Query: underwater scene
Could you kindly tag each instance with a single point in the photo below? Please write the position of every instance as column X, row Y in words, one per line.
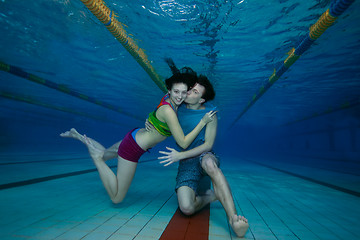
column 279, row 159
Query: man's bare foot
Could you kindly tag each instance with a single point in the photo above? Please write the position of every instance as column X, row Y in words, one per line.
column 209, row 196
column 95, row 153
column 73, row 134
column 239, row 224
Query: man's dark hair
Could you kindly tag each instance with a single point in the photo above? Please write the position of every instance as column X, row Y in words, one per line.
column 209, row 93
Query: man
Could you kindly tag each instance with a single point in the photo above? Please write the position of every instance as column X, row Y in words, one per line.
column 198, row 161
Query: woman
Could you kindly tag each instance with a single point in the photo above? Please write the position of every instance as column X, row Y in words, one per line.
column 138, row 141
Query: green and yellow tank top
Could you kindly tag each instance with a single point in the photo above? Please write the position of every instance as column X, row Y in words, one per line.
column 161, row 127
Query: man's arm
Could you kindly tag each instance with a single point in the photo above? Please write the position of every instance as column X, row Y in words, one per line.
column 174, row 156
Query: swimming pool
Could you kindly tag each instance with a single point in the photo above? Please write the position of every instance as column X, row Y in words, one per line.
column 62, row 68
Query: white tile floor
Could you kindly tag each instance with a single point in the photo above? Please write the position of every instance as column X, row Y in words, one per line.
column 278, row 205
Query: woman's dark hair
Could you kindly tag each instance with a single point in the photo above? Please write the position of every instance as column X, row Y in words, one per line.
column 172, row 65
column 189, row 77
column 209, row 93
column 185, row 75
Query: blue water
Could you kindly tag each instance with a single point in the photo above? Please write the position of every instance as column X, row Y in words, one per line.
column 237, row 44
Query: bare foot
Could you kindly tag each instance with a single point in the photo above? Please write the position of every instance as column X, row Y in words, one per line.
column 209, row 196
column 239, row 224
column 73, row 134
column 95, row 153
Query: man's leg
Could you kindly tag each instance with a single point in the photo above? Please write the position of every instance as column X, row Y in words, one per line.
column 189, row 203
column 223, row 193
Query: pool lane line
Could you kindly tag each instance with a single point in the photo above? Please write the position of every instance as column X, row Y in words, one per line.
column 57, row 160
column 58, row 87
column 343, row 106
column 42, row 161
column 188, row 227
column 44, row 179
column 327, row 19
column 31, row 100
column 109, row 18
column 54, row 177
column 329, row 185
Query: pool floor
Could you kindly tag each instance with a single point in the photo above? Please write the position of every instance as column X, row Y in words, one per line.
column 58, row 196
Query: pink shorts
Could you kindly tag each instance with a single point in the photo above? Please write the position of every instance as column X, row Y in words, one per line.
column 129, row 149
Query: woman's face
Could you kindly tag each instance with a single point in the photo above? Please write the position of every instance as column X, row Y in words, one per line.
column 178, row 93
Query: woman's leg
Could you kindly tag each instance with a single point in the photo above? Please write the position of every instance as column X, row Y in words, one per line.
column 116, row 185
column 109, row 153
column 72, row 133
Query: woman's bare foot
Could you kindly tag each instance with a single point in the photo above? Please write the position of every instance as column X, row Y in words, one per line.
column 73, row 134
column 239, row 224
column 95, row 153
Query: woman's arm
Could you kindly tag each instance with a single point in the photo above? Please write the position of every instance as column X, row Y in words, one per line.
column 174, row 156
column 168, row 114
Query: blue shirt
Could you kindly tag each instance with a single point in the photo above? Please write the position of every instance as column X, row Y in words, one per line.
column 189, row 118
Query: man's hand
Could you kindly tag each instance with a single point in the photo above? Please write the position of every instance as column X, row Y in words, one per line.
column 170, row 157
column 209, row 116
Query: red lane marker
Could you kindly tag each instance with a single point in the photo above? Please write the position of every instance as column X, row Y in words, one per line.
column 182, row 227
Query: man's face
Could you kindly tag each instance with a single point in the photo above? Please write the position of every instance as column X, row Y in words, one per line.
column 195, row 94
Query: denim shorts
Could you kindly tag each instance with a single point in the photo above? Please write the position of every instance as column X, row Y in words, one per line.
column 190, row 172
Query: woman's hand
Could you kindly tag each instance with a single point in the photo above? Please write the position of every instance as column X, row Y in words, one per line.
column 170, row 157
column 149, row 127
column 209, row 116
